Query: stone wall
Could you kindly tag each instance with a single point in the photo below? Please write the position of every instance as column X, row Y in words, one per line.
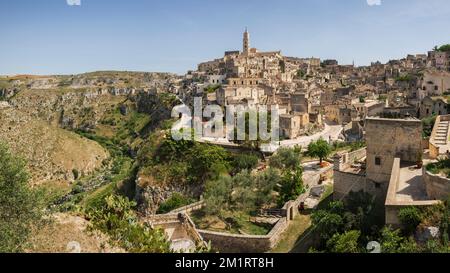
column 234, row 243
column 189, row 208
column 391, row 207
column 437, row 186
column 344, row 161
column 177, row 226
column 434, row 150
column 344, row 183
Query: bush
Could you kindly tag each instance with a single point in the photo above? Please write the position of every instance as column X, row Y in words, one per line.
column 410, row 218
column 120, row 222
column 345, row 243
column 76, row 174
column 176, row 201
column 286, row 158
column 392, row 242
column 291, row 186
column 244, row 162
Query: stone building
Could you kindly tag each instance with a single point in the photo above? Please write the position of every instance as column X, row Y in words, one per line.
column 439, row 60
column 369, row 108
column 341, row 114
column 430, row 106
column 434, row 83
column 239, row 89
column 292, row 126
column 300, row 102
column 386, row 140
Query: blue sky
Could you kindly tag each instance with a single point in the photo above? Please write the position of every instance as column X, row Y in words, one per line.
column 51, row 37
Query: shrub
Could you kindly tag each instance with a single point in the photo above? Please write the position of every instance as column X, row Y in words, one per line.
column 176, row 201
column 76, row 174
column 286, row 158
column 345, row 243
column 120, row 222
column 410, row 218
column 392, row 242
column 291, row 186
column 244, row 162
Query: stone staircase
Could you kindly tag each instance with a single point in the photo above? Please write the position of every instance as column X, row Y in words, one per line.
column 441, row 136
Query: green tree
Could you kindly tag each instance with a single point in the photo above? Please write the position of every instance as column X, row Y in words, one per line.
column 363, row 213
column 392, row 242
column 291, row 185
column 21, row 208
column 345, row 243
column 244, row 192
column 202, row 158
column 286, row 158
column 319, row 149
column 217, row 194
column 444, row 48
column 329, row 222
column 410, row 218
column 266, row 182
column 244, row 161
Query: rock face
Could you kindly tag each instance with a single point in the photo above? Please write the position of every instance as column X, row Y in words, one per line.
column 150, row 195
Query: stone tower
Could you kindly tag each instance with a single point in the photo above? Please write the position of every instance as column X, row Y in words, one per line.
column 246, row 46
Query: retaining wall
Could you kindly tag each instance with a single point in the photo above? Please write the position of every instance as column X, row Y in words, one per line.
column 437, row 186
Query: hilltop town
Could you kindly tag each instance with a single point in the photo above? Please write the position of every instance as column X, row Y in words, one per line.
column 363, row 157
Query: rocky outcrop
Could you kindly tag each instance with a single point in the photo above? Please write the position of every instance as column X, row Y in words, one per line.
column 7, row 93
column 150, row 195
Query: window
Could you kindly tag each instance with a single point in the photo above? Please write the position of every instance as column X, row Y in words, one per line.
column 436, row 87
column 378, row 161
column 377, row 186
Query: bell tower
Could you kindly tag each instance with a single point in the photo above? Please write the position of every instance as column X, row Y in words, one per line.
column 246, row 44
